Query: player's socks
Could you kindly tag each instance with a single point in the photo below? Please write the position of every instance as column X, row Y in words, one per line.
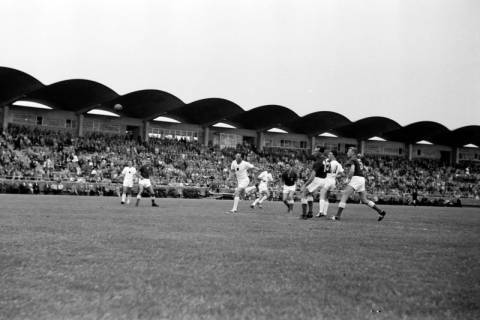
column 128, row 200
column 341, row 206
column 310, row 206
column 136, row 203
column 372, row 205
column 321, row 206
column 325, row 208
column 153, row 203
column 123, row 197
column 236, row 200
column 304, row 208
column 286, row 203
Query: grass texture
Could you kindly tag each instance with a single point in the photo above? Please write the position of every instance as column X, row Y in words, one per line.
column 67, row 257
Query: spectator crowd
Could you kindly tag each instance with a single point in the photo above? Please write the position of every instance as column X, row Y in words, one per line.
column 42, row 155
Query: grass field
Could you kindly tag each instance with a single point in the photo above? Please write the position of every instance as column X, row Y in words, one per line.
column 67, row 257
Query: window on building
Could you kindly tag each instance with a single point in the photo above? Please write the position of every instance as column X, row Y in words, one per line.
column 68, row 123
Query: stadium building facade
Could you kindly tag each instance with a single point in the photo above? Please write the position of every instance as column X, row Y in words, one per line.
column 84, row 106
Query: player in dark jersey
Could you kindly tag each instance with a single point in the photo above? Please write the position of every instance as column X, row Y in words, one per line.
column 289, row 179
column 316, row 181
column 356, row 184
column 146, row 171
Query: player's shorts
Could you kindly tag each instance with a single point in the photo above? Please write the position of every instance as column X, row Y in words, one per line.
column 128, row 184
column 242, row 184
column 316, row 184
column 263, row 188
column 144, row 183
column 357, row 183
column 250, row 189
column 330, row 184
column 288, row 189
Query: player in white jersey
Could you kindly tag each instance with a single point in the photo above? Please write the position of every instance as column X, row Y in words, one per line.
column 265, row 178
column 334, row 169
column 240, row 168
column 128, row 174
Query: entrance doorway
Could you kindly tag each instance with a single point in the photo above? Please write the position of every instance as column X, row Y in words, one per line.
column 132, row 132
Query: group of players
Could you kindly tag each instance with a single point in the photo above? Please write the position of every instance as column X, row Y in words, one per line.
column 323, row 178
column 130, row 174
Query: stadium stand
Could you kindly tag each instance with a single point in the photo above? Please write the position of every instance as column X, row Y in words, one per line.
column 69, row 146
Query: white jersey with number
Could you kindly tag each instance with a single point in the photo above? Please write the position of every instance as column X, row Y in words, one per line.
column 128, row 173
column 241, row 170
column 265, row 178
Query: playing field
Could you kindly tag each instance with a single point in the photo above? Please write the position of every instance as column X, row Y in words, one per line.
column 67, row 257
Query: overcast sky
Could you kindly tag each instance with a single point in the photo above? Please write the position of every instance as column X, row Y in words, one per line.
column 410, row 60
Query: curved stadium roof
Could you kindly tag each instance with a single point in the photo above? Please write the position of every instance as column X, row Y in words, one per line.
column 207, row 111
column 72, row 95
column 14, row 84
column 144, row 104
column 466, row 135
column 368, row 127
column 424, row 130
column 266, row 117
column 319, row 122
column 80, row 95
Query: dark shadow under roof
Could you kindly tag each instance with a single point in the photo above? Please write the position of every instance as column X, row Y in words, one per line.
column 319, row 122
column 14, row 84
column 144, row 104
column 368, row 127
column 423, row 130
column 266, row 117
column 207, row 111
column 72, row 95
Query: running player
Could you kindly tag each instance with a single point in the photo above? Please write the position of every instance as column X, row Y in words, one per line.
column 128, row 174
column 316, row 181
column 265, row 178
column 356, row 184
column 289, row 178
column 144, row 182
column 334, row 168
column 239, row 168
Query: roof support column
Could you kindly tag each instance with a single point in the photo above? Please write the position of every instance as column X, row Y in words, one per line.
column 361, row 144
column 206, row 135
column 456, row 155
column 146, row 131
column 410, row 152
column 312, row 143
column 5, row 118
column 80, row 118
column 260, row 140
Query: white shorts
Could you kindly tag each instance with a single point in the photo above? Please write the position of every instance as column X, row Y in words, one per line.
column 357, row 183
column 330, row 184
column 288, row 189
column 144, row 183
column 263, row 187
column 315, row 184
column 263, row 190
column 242, row 184
column 128, row 184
